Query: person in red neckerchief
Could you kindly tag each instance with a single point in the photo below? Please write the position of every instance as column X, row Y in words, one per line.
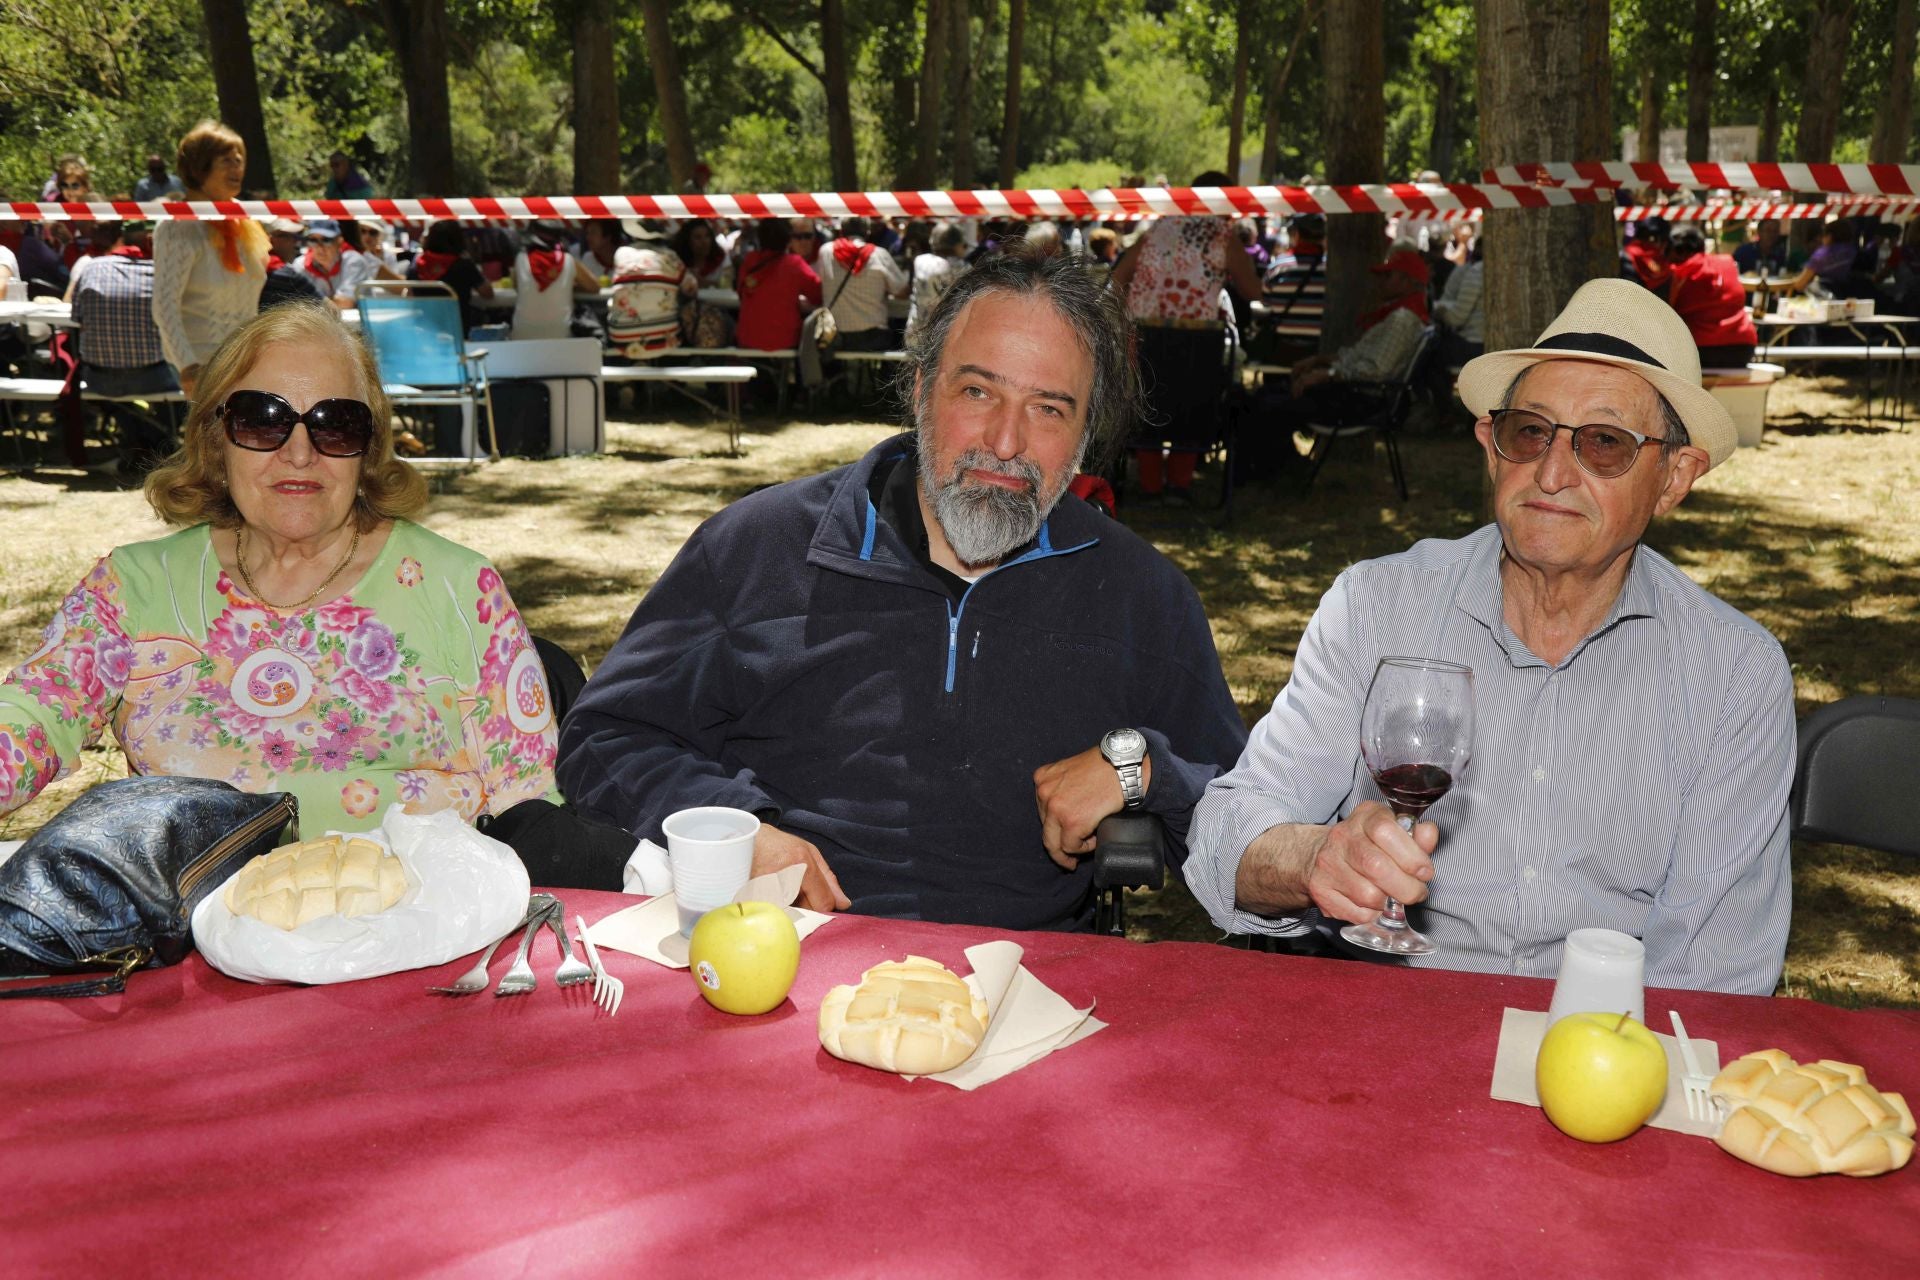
column 1645, row 256
column 323, row 262
column 443, row 257
column 1405, row 274
column 545, row 277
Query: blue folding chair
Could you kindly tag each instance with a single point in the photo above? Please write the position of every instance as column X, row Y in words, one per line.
column 414, row 330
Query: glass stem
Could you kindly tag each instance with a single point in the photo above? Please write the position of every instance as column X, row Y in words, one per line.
column 1394, row 916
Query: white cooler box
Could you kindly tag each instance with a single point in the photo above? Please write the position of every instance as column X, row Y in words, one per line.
column 1744, row 393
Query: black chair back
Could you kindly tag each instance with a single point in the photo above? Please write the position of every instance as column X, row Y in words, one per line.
column 1857, row 774
column 565, row 676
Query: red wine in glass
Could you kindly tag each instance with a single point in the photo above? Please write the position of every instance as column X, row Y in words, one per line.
column 1416, row 734
column 1411, row 789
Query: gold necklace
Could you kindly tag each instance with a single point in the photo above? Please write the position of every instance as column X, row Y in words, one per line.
column 240, row 556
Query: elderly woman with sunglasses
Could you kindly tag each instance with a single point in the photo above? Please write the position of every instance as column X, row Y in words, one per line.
column 299, row 633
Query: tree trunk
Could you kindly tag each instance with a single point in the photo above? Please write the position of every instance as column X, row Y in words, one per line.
column 1533, row 52
column 230, row 49
column 933, row 85
column 1276, row 92
column 596, row 101
column 833, row 58
column 1237, row 116
column 1769, row 145
column 1440, row 141
column 1820, row 91
column 1010, row 124
column 1647, row 150
column 1893, row 123
column 669, row 93
column 1354, row 125
column 960, row 90
column 1823, row 84
column 1700, row 72
column 418, row 32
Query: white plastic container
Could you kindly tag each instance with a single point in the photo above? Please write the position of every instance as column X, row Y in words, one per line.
column 1745, row 397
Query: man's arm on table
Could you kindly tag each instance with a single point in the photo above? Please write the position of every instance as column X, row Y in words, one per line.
column 1193, row 730
column 1265, row 846
column 1720, row 921
column 646, row 736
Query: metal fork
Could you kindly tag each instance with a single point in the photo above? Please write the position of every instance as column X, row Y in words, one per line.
column 520, row 979
column 474, row 980
column 1702, row 1106
column 608, row 991
column 571, row 972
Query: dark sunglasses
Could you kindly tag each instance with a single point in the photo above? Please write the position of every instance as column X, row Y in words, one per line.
column 1601, row 450
column 263, row 421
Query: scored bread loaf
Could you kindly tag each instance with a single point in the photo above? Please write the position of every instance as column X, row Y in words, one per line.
column 331, row 876
column 914, row 1016
column 1800, row 1119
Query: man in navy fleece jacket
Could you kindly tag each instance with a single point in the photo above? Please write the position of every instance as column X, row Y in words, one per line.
column 907, row 666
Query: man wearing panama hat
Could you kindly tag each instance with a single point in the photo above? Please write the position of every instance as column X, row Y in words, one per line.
column 1634, row 736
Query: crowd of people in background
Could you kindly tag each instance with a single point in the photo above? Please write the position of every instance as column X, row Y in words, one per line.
column 162, row 297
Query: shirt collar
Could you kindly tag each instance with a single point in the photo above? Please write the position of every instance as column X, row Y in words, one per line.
column 1479, row 597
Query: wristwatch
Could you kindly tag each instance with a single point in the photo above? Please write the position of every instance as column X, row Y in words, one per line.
column 1124, row 750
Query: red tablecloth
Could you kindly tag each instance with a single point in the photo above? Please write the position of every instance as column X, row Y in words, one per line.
column 1244, row 1113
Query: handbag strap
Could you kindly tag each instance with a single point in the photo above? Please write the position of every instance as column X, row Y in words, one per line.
column 125, row 960
column 841, row 288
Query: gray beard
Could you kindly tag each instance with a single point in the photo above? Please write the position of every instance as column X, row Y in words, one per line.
column 983, row 522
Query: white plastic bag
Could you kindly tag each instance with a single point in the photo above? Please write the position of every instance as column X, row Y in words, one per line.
column 463, row 891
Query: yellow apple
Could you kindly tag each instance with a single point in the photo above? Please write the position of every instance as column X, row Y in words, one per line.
column 1600, row 1075
column 744, row 956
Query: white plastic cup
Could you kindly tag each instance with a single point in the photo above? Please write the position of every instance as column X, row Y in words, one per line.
column 16, row 290
column 710, row 850
column 1601, row 971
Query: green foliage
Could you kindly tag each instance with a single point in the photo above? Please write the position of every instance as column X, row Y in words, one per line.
column 1110, row 88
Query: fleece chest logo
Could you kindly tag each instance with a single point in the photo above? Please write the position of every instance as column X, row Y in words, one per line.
column 1088, row 645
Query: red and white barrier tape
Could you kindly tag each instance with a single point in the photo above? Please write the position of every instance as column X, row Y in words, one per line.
column 1833, row 179
column 1720, row 212
column 1398, row 197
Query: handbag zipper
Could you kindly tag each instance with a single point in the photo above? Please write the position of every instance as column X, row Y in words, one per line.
column 284, row 809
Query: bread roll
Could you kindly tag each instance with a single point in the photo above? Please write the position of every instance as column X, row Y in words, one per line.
column 1821, row 1117
column 331, row 876
column 913, row 1016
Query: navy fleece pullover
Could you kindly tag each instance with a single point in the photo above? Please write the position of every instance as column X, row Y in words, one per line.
column 797, row 659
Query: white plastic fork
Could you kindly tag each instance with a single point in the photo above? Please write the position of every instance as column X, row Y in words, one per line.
column 608, row 990
column 1702, row 1106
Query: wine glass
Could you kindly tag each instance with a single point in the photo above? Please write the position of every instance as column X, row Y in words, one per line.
column 1416, row 735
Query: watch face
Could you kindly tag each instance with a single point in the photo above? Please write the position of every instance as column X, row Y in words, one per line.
column 1124, row 746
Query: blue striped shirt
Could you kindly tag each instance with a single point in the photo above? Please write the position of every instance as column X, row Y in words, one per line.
column 1640, row 785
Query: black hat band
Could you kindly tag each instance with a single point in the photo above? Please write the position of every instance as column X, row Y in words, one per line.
column 1599, row 344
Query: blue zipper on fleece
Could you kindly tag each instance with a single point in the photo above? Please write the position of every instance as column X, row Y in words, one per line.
column 954, row 611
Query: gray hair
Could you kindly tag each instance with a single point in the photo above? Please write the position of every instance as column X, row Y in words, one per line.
column 948, row 239
column 1092, row 311
column 1673, row 432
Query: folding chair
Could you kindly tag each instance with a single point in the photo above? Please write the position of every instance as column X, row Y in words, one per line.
column 1384, row 417
column 1858, row 766
column 414, row 330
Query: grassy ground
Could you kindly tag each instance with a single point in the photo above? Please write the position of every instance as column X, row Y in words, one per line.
column 1815, row 534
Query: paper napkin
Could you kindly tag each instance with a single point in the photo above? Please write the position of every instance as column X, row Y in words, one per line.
column 1026, row 1019
column 651, row 930
column 1521, row 1031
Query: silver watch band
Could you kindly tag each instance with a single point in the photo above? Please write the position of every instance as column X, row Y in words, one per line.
column 1130, row 788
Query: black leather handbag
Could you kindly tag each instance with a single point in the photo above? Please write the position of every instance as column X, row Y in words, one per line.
column 113, row 880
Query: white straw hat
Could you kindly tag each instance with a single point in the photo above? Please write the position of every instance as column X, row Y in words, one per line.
column 1620, row 323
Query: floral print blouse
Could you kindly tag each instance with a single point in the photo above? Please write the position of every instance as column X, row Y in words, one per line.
column 1182, row 268
column 420, row 685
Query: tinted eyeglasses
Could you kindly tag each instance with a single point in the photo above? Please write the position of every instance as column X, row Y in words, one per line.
column 1601, row 449
column 263, row 422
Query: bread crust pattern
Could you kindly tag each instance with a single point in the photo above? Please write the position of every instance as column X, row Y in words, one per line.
column 1800, row 1119
column 331, row 876
column 916, row 1017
